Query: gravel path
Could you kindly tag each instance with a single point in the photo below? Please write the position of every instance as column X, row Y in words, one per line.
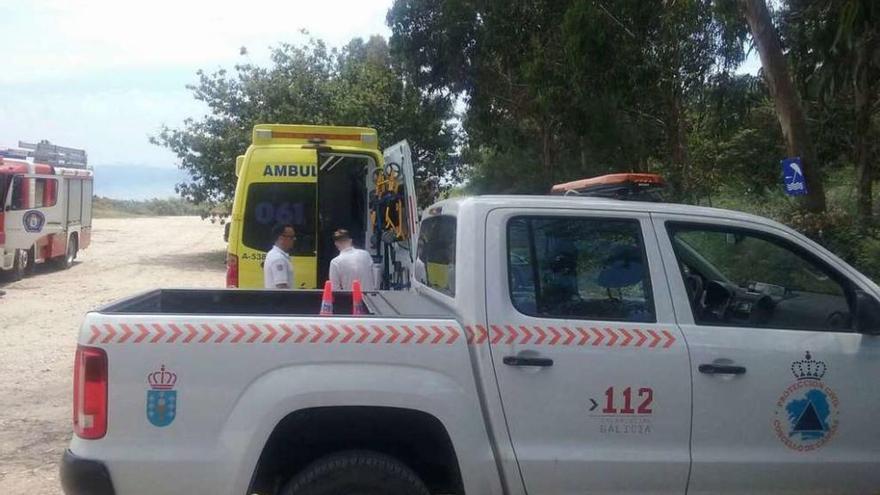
column 40, row 316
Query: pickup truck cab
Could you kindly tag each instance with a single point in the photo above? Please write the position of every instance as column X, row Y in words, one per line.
column 550, row 345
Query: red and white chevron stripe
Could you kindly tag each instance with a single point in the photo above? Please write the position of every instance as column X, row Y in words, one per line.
column 564, row 336
column 266, row 333
column 341, row 333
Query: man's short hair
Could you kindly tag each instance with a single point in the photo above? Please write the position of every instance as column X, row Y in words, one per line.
column 341, row 235
column 279, row 229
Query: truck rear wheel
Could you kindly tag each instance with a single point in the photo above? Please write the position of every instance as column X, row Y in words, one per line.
column 356, row 472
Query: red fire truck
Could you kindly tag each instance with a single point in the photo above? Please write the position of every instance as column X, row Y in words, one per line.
column 45, row 206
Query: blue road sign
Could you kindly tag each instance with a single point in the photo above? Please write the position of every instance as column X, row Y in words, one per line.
column 793, row 177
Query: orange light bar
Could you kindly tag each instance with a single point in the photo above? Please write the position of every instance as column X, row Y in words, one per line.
column 610, row 179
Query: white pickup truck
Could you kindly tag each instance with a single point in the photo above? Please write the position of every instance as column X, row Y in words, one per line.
column 550, row 346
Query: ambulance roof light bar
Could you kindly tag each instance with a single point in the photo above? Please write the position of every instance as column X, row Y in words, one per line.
column 315, row 135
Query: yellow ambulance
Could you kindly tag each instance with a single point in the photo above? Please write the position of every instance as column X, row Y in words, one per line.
column 319, row 179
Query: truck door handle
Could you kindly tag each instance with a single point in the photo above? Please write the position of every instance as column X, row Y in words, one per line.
column 721, row 369
column 527, row 361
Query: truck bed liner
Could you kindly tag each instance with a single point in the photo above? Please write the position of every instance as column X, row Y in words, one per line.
column 404, row 303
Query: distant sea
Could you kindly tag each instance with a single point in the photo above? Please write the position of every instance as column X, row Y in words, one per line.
column 119, row 181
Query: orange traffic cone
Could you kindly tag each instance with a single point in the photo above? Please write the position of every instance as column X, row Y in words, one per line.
column 357, row 299
column 327, row 299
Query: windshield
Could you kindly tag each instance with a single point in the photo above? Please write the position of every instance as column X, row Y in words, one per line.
column 274, row 203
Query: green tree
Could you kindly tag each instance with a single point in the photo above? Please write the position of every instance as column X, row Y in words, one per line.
column 311, row 84
column 735, row 140
column 562, row 89
column 789, row 109
column 835, row 47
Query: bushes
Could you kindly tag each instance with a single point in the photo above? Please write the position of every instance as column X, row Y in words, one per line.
column 106, row 207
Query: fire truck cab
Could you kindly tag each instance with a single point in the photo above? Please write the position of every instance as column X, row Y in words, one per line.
column 45, row 207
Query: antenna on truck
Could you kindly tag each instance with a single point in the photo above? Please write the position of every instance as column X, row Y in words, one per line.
column 57, row 156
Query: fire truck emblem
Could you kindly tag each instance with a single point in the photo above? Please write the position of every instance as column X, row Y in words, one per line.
column 162, row 398
column 806, row 415
column 33, row 221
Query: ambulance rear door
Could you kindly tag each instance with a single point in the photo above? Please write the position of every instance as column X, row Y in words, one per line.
column 400, row 154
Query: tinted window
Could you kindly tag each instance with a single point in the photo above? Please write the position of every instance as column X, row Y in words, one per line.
column 740, row 277
column 435, row 264
column 269, row 204
column 579, row 268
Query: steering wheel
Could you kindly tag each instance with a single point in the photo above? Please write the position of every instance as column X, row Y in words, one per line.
column 716, row 301
column 762, row 310
column 837, row 320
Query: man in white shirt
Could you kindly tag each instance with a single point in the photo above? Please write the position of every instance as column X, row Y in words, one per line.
column 277, row 271
column 351, row 264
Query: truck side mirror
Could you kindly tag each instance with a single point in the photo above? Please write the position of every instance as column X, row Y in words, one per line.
column 867, row 313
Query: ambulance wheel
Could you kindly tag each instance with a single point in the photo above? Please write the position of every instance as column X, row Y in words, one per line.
column 66, row 261
column 361, row 472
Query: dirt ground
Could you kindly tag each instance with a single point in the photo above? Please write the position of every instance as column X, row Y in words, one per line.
column 40, row 318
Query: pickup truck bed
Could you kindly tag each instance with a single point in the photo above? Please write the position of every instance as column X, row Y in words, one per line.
column 269, row 302
column 244, row 367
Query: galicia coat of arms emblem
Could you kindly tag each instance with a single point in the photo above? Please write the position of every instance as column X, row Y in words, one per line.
column 806, row 416
column 161, row 398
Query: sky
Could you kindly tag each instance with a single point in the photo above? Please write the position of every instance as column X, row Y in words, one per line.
column 104, row 75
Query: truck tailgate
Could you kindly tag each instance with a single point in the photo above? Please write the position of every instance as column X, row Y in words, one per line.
column 226, row 381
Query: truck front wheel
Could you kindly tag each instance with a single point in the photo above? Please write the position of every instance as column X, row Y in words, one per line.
column 361, row 472
column 19, row 265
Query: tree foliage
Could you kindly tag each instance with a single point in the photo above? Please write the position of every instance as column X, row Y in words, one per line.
column 556, row 90
column 562, row 89
column 310, row 84
column 565, row 89
column 834, row 47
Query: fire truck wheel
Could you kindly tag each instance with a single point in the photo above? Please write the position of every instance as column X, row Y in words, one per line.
column 19, row 261
column 66, row 261
column 31, row 261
